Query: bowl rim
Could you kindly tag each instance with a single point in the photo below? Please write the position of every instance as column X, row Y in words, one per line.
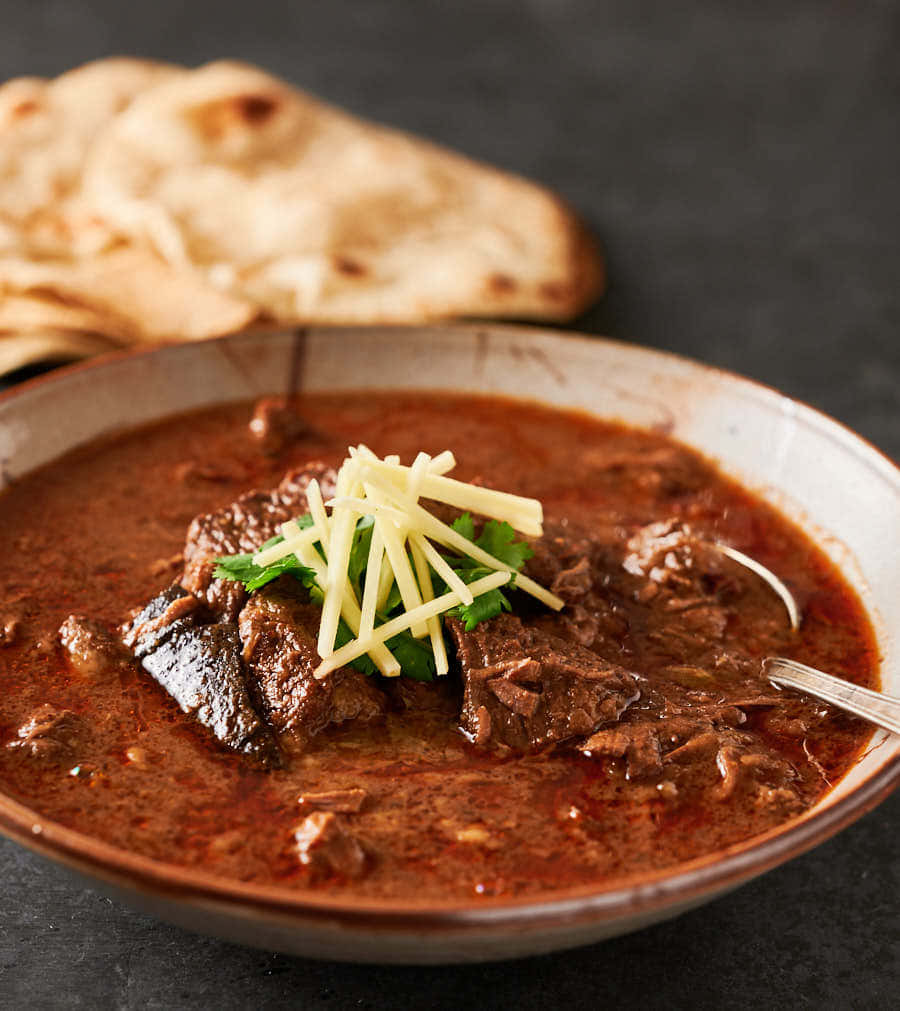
column 634, row 895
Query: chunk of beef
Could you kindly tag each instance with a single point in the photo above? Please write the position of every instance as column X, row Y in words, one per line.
column 10, row 628
column 636, row 742
column 699, row 751
column 701, row 746
column 572, row 565
column 661, row 552
column 326, row 846
column 91, row 649
column 764, row 777
column 560, row 549
column 683, row 583
column 573, row 582
column 201, row 667
column 676, row 568
column 241, row 527
column 278, row 631
column 50, row 734
column 276, row 423
column 526, row 689
column 598, row 623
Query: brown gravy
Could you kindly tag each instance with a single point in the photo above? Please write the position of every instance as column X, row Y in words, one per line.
column 97, row 533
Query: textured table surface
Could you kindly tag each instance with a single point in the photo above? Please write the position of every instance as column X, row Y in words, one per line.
column 741, row 163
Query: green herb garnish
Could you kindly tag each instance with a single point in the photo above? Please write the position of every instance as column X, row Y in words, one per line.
column 415, row 656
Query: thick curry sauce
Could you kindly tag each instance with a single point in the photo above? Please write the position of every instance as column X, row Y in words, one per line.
column 100, row 531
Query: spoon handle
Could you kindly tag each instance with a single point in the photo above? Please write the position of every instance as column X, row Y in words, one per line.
column 884, row 710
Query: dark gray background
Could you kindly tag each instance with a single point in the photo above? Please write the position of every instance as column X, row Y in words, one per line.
column 741, row 163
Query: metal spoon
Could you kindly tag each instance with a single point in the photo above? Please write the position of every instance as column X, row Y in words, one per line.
column 883, row 710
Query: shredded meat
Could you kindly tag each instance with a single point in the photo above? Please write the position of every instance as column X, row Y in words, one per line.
column 340, row 801
column 525, row 689
column 50, row 734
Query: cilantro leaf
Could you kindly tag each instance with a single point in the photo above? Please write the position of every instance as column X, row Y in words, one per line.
column 237, row 567
column 394, row 600
column 499, row 540
column 487, row 605
column 464, row 525
column 243, row 569
column 496, row 538
column 415, row 656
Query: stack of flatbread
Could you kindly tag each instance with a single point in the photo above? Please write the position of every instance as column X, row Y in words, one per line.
column 143, row 202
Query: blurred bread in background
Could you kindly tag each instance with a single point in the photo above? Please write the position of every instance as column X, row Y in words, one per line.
column 142, row 202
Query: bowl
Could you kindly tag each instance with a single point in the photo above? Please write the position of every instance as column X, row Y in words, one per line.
column 828, row 480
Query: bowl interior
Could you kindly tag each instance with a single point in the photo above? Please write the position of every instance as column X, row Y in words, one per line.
column 826, row 479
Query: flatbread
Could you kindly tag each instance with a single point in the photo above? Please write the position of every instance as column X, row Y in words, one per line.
column 32, row 312
column 129, row 293
column 142, row 201
column 49, row 346
column 46, row 130
column 319, row 216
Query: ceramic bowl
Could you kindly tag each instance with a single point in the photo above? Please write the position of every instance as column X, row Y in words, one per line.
column 831, row 482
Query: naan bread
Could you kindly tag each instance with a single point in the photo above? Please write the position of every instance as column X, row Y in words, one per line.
column 128, row 293
column 46, row 129
column 144, row 202
column 318, row 216
column 49, row 346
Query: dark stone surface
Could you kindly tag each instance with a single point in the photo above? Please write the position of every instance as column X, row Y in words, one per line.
column 742, row 164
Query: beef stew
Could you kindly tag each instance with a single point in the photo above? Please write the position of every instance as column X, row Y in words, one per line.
column 630, row 731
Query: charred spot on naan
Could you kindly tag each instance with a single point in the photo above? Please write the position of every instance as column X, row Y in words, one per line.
column 214, row 120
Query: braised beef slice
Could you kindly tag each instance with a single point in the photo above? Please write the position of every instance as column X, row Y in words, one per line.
column 278, row 631
column 560, row 550
column 241, row 527
column 687, row 589
column 526, row 689
column 574, row 582
column 150, row 625
column 675, row 568
column 201, row 667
